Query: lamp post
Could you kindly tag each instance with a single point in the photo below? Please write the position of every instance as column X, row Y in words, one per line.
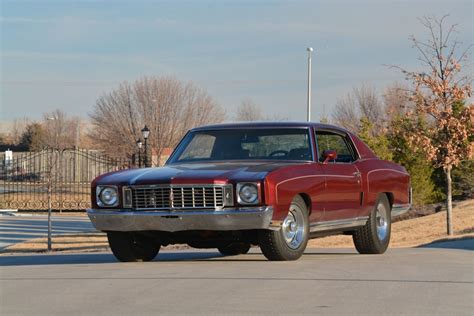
column 310, row 50
column 54, row 119
column 145, row 134
column 139, row 145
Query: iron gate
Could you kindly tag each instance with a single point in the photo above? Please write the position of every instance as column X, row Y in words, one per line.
column 26, row 178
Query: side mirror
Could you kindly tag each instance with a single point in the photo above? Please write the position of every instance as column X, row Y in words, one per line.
column 329, row 155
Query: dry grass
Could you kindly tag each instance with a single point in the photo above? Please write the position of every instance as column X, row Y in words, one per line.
column 417, row 231
column 408, row 233
column 88, row 242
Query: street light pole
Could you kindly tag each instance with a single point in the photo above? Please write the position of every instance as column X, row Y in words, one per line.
column 139, row 145
column 52, row 118
column 309, row 49
column 145, row 133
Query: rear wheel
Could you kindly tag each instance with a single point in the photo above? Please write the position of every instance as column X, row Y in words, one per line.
column 132, row 247
column 234, row 249
column 289, row 242
column 374, row 237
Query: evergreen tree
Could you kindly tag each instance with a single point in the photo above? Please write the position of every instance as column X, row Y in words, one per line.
column 379, row 142
column 34, row 137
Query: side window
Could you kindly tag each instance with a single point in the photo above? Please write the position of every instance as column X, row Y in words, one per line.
column 332, row 141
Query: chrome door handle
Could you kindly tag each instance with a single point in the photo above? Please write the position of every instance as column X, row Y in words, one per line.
column 356, row 174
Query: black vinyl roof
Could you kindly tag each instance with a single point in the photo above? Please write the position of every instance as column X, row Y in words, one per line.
column 268, row 124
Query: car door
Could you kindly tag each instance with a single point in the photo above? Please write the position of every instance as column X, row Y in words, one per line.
column 342, row 195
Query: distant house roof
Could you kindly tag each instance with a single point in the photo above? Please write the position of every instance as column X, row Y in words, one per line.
column 164, row 152
column 15, row 148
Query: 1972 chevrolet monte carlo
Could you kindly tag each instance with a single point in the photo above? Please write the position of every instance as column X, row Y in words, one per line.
column 274, row 185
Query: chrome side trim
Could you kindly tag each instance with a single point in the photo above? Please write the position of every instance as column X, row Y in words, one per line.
column 229, row 219
column 399, row 209
column 338, row 224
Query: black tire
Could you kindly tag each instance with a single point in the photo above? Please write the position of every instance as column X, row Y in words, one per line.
column 132, row 247
column 276, row 247
column 366, row 239
column 234, row 249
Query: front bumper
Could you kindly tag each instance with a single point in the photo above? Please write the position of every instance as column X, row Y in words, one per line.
column 173, row 221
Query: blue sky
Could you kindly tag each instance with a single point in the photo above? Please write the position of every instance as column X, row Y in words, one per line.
column 65, row 54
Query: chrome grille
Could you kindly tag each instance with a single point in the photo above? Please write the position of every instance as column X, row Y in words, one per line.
column 181, row 196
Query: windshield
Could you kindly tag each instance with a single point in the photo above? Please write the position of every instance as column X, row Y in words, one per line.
column 244, row 144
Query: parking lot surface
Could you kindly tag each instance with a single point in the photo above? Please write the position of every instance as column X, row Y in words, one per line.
column 419, row 281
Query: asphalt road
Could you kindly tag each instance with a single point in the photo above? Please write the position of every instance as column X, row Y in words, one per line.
column 422, row 281
column 15, row 229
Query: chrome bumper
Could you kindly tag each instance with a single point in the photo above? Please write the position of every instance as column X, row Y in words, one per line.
column 232, row 219
column 399, row 209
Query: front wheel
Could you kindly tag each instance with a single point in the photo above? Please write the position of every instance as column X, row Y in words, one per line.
column 374, row 237
column 289, row 242
column 132, row 247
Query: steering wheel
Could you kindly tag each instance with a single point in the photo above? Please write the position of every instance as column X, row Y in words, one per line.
column 282, row 153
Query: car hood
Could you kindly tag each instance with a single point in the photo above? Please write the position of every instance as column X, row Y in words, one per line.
column 194, row 173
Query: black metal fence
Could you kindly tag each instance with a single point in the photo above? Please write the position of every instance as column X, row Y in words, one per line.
column 26, row 178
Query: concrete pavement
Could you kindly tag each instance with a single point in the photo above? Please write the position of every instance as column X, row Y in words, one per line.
column 420, row 281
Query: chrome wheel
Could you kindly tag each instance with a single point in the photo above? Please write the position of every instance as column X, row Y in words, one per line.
column 374, row 237
column 289, row 242
column 381, row 222
column 293, row 227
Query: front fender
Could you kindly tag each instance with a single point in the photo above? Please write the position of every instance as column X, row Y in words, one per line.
column 282, row 185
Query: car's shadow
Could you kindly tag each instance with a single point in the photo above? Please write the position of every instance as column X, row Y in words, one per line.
column 95, row 258
column 464, row 243
column 166, row 256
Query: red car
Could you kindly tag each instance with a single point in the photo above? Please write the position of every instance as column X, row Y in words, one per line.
column 275, row 185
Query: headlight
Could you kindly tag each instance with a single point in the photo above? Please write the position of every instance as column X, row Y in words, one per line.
column 247, row 193
column 107, row 196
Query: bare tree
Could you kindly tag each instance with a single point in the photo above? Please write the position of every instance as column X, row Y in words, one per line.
column 441, row 125
column 396, row 98
column 346, row 113
column 167, row 106
column 361, row 103
column 324, row 117
column 248, row 111
column 60, row 130
column 86, row 140
column 52, row 173
column 60, row 135
column 18, row 129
